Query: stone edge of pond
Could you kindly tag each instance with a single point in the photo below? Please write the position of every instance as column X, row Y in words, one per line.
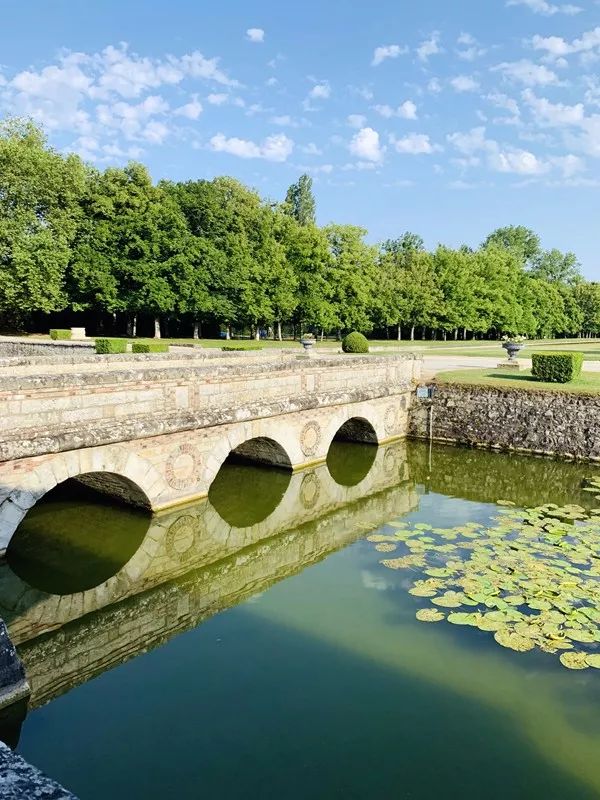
column 19, row 780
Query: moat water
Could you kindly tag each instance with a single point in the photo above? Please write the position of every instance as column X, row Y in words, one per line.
column 254, row 645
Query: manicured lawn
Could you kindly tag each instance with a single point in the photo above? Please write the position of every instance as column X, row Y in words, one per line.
column 588, row 382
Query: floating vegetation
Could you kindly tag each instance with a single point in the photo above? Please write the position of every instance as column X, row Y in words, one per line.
column 531, row 577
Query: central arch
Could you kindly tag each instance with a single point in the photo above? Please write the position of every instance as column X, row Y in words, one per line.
column 352, row 452
column 260, row 450
column 356, row 429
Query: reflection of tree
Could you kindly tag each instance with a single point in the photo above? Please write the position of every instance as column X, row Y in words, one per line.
column 486, row 476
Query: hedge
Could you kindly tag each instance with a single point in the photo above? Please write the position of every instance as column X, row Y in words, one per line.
column 150, row 347
column 355, row 342
column 60, row 333
column 107, row 346
column 556, row 367
column 231, row 348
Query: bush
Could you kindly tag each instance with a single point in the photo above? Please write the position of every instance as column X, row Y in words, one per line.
column 556, row 367
column 355, row 342
column 60, row 333
column 106, row 346
column 150, row 347
column 231, row 348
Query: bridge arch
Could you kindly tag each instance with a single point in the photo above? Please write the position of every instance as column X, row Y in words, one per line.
column 112, row 470
column 356, row 429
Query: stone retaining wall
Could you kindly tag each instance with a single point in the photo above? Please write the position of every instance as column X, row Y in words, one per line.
column 551, row 423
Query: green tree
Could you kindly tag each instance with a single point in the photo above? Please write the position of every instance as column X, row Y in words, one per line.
column 300, row 201
column 39, row 196
column 521, row 241
column 556, row 267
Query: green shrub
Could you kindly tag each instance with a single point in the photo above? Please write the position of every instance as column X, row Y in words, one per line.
column 150, row 347
column 556, row 367
column 60, row 333
column 106, row 346
column 355, row 342
column 231, row 348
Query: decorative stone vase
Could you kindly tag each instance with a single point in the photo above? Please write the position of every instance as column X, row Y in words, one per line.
column 512, row 348
column 308, row 345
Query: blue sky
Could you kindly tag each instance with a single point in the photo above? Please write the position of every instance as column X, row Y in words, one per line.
column 445, row 117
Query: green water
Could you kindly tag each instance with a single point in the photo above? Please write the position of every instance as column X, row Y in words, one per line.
column 278, row 658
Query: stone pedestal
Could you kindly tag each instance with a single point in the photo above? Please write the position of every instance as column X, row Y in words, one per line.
column 512, row 365
column 78, row 333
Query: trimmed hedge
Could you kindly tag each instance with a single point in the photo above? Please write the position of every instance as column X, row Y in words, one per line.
column 150, row 347
column 231, row 348
column 109, row 346
column 355, row 342
column 60, row 333
column 556, row 367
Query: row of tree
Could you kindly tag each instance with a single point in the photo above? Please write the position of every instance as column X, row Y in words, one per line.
column 76, row 239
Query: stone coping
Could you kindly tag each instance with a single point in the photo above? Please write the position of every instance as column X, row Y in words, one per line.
column 25, row 443
column 163, row 370
column 21, row 781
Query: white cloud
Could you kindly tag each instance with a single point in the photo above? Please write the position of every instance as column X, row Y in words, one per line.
column 365, row 145
column 191, row 110
column 407, row 110
column 311, row 149
column 553, row 114
column 464, row 83
column 528, row 73
column 256, row 35
column 569, row 165
column 434, row 86
column 519, row 162
column 155, row 132
column 472, row 141
column 557, row 48
column 544, row 7
column 356, row 120
column 429, row 47
column 274, row 148
column 217, row 99
column 504, row 101
column 320, row 91
column 387, row 51
column 470, row 48
column 414, row 144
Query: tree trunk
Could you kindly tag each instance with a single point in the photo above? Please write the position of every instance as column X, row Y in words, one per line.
column 157, row 327
column 465, row 334
column 339, row 335
column 423, row 332
column 321, row 334
column 399, row 332
column 412, row 333
column 227, row 331
column 445, row 334
column 134, row 326
column 279, row 336
column 257, row 332
column 455, row 334
column 196, row 334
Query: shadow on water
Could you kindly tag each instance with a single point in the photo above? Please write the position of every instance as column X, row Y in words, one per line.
column 350, row 462
column 246, row 494
column 74, row 539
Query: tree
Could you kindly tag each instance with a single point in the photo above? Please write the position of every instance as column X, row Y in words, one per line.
column 556, row 267
column 300, row 201
column 353, row 277
column 519, row 240
column 39, row 195
column 407, row 243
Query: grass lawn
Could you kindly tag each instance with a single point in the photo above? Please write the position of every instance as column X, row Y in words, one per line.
column 588, row 382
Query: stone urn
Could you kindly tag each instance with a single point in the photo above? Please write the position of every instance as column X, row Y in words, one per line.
column 512, row 348
column 308, row 343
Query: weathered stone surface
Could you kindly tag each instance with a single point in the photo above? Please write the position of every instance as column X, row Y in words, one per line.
column 542, row 422
column 13, row 683
column 20, row 781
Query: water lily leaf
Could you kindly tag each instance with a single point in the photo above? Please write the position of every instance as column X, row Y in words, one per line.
column 514, row 641
column 574, row 660
column 581, row 636
column 460, row 618
column 379, row 537
column 449, row 600
column 386, row 547
column 429, row 615
column 439, row 572
column 593, row 660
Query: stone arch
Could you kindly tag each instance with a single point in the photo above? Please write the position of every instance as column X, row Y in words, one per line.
column 114, row 468
column 356, row 429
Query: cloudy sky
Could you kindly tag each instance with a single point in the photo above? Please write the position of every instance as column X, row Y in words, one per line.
column 446, row 117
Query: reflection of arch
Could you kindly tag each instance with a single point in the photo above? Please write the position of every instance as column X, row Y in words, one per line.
column 356, row 429
column 76, row 538
column 111, row 470
column 251, row 481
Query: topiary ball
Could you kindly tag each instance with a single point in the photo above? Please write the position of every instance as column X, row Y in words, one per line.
column 355, row 342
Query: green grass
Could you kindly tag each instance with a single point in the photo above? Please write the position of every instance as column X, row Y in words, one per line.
column 588, row 382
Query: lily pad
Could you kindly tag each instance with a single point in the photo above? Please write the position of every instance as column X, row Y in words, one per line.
column 574, row 660
column 429, row 615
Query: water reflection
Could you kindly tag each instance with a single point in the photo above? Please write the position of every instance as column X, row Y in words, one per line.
column 245, row 495
column 350, row 462
column 74, row 539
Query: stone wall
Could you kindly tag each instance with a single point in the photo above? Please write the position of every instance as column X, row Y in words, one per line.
column 11, row 347
column 551, row 423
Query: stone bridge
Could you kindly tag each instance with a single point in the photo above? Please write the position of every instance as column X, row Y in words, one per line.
column 190, row 565
column 155, row 430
